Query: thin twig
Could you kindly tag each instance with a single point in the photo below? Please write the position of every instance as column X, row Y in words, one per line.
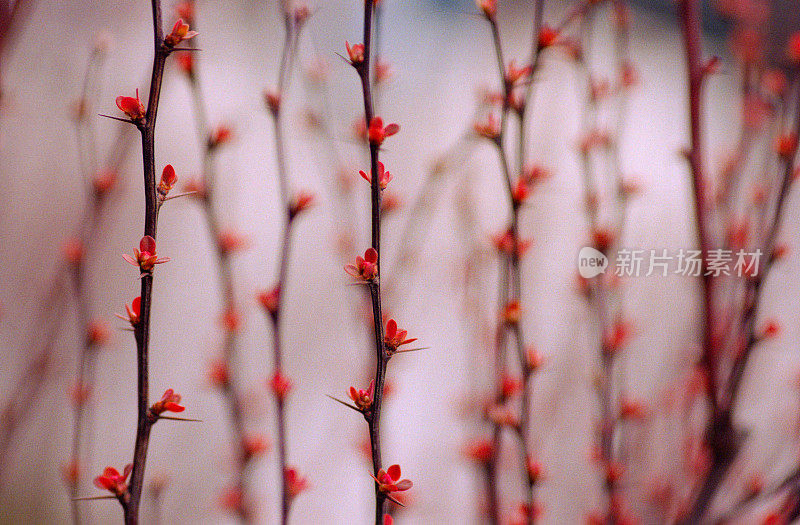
column 210, row 203
column 142, row 329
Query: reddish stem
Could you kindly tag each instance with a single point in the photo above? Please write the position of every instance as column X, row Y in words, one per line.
column 292, row 32
column 513, row 286
column 226, row 282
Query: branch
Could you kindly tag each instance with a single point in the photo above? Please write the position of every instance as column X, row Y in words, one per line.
column 142, row 328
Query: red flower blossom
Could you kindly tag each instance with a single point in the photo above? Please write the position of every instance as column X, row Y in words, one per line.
column 489, row 7
column 754, row 484
column 596, row 138
column 535, row 470
column 301, row 201
column 218, row 374
column 295, row 483
column 780, row 251
column 145, row 257
column 112, row 481
column 185, row 10
column 180, row 32
column 132, row 107
column 632, row 410
column 383, row 70
column 786, row 145
column 599, row 89
column 390, row 202
column 103, row 181
column 388, row 519
column 602, row 238
column 132, row 312
column 630, row 187
column 479, row 450
column 510, row 385
column 232, row 500
column 270, row 300
column 220, row 135
column 362, row 398
column 389, row 480
column 774, row 81
column 301, row 14
column 97, row 333
column 366, row 267
column 231, row 319
column 273, row 101
column 504, row 242
column 629, row 77
column 355, row 52
column 70, row 472
column 534, row 358
column 377, row 133
column 514, row 74
column 524, row 514
column 617, row 336
column 79, row 394
column 502, row 415
column 280, row 385
column 488, row 128
column 614, row 471
column 186, row 63
column 395, row 338
column 229, row 241
column 770, row 330
column 72, row 250
column 167, row 182
column 512, row 312
column 254, row 445
column 520, row 191
column 547, row 37
column 384, row 177
column 793, row 47
column 196, row 187
column 169, row 402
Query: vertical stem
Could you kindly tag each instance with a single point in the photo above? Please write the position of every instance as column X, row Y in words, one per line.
column 142, row 329
column 382, row 357
column 499, row 369
column 538, row 14
column 292, row 32
column 226, row 283
column 690, row 23
column 513, row 286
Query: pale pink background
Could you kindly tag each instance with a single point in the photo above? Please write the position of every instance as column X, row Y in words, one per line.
column 440, row 58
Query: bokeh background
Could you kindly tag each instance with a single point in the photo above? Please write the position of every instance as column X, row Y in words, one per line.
column 441, row 54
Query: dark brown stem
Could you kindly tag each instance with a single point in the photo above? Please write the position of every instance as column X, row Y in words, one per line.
column 142, row 328
column 382, row 357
